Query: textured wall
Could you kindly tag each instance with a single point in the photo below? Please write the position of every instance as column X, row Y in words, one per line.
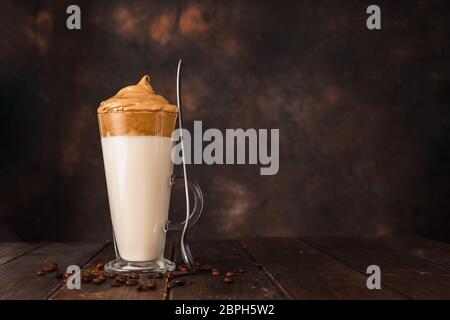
column 363, row 116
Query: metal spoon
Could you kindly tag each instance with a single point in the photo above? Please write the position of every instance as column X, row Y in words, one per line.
column 185, row 250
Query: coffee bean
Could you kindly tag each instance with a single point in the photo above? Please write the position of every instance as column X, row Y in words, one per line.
column 228, row 279
column 120, row 279
column 142, row 287
column 131, row 282
column 180, row 273
column 215, row 273
column 98, row 273
column 170, row 275
column 112, row 275
column 151, row 284
column 183, row 267
column 41, row 273
column 86, row 279
column 98, row 280
column 158, row 275
column 100, row 266
column 205, row 267
column 59, row 275
column 101, row 277
column 241, row 270
column 180, row 283
column 171, row 285
column 50, row 267
column 133, row 276
column 230, row 274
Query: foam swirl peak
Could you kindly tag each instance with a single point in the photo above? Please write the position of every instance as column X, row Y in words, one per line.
column 137, row 98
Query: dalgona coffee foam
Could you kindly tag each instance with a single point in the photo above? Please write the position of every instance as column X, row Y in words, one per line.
column 135, row 111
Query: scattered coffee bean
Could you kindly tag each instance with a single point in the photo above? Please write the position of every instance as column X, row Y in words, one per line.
column 100, row 266
column 41, row 273
column 230, row 274
column 142, row 287
column 241, row 270
column 180, row 273
column 215, row 273
column 50, row 267
column 112, row 275
column 151, row 284
column 205, row 267
column 171, row 285
column 180, row 283
column 132, row 282
column 133, row 276
column 101, row 277
column 183, row 267
column 158, row 275
column 170, row 275
column 98, row 280
column 228, row 279
column 120, row 279
column 86, row 279
column 98, row 273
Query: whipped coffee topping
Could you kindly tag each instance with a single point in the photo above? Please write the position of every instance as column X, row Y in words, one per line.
column 137, row 98
column 137, row 111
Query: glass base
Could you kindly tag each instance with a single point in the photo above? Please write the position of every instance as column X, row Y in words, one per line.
column 125, row 267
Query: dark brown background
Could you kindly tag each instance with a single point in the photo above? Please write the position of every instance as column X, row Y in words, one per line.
column 363, row 115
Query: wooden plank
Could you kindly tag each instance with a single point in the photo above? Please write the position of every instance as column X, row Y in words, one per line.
column 12, row 250
column 414, row 277
column 226, row 255
column 306, row 273
column 105, row 291
column 434, row 251
column 18, row 279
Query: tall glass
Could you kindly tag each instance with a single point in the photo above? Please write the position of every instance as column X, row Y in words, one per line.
column 137, row 157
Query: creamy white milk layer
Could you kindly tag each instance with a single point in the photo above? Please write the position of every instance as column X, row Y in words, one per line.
column 138, row 171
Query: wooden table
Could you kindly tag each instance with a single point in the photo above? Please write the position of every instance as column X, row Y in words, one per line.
column 276, row 268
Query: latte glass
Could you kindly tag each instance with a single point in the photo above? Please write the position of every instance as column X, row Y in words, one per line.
column 137, row 158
